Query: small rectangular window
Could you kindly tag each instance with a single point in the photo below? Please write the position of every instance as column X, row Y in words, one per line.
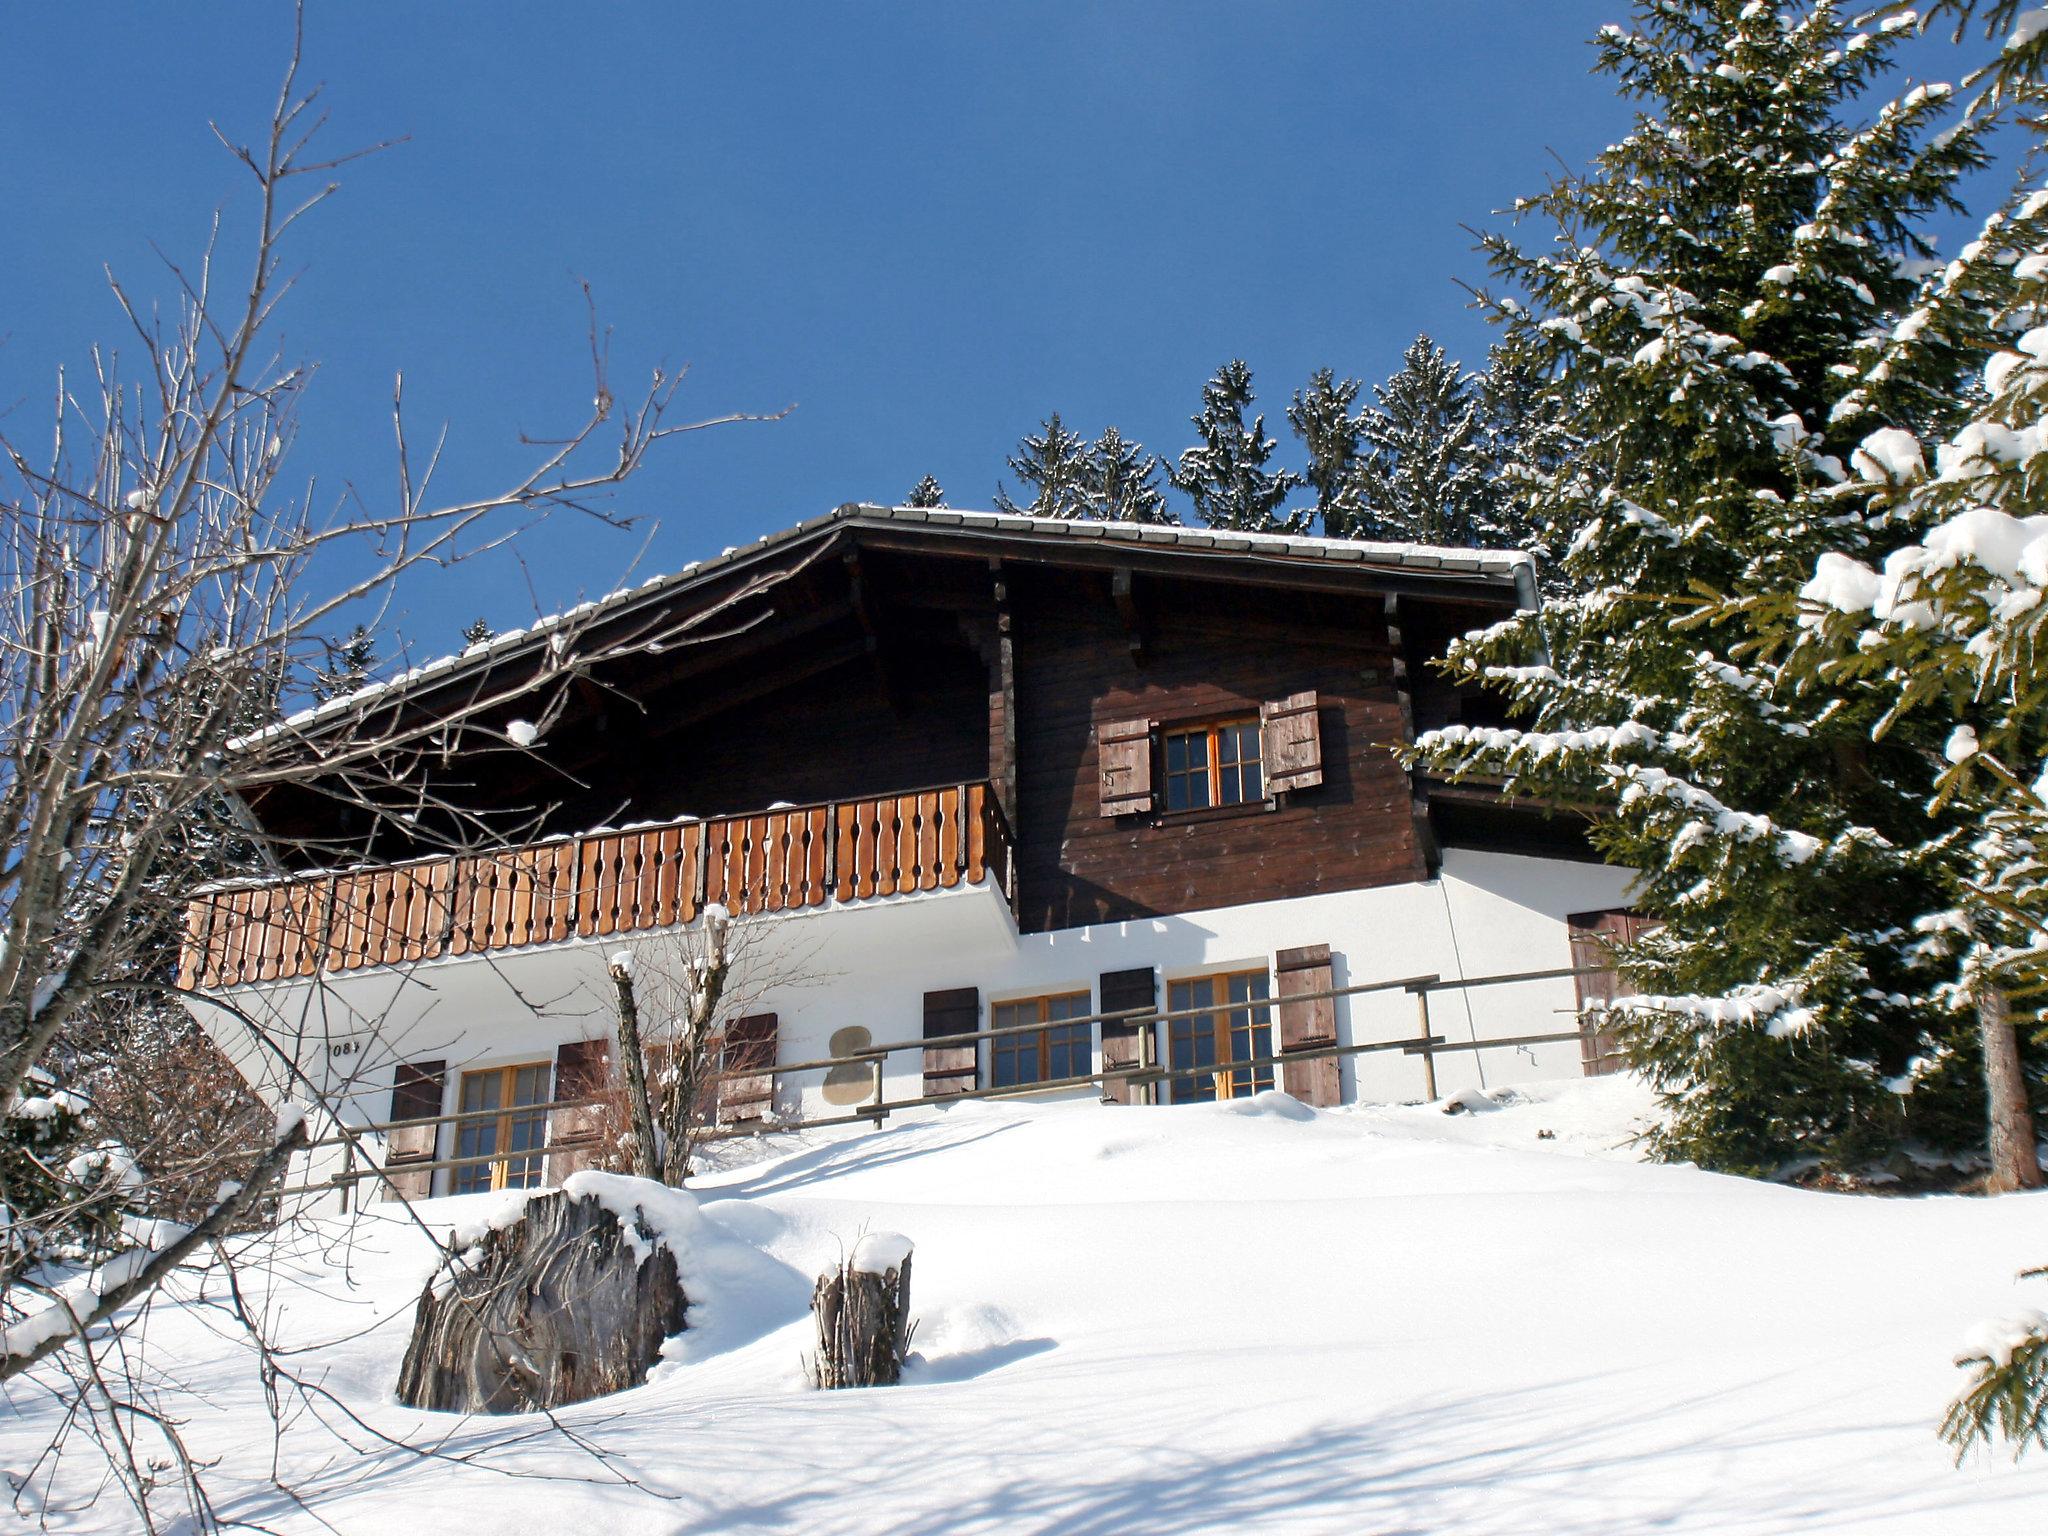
column 1045, row 1055
column 518, row 1130
column 1237, row 762
column 1214, row 765
column 1203, row 1047
column 1187, row 770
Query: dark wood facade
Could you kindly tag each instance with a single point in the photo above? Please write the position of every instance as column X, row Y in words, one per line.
column 879, row 654
column 1207, row 652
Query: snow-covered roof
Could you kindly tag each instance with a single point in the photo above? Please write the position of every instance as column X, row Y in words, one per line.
column 1513, row 569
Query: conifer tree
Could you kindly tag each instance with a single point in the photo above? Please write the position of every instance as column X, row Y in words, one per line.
column 1948, row 629
column 1226, row 473
column 1526, row 440
column 349, row 665
column 1724, row 278
column 926, row 493
column 1324, row 418
column 1423, row 472
column 1053, row 467
column 1120, row 482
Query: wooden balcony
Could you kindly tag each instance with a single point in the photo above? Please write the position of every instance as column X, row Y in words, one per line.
column 604, row 883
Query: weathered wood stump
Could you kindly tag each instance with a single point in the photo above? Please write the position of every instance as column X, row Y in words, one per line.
column 561, row 1305
column 863, row 1313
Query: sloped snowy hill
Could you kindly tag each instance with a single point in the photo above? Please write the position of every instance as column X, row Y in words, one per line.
column 1241, row 1317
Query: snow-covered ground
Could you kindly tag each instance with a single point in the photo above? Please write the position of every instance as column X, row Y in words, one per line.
column 1241, row 1317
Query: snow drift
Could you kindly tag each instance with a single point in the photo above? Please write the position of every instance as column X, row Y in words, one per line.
column 1248, row 1316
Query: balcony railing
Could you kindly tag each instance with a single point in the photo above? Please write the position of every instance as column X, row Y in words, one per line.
column 781, row 860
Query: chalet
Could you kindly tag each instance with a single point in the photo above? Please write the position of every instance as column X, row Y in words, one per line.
column 952, row 771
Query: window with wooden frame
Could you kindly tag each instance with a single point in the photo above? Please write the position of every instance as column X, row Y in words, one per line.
column 1203, row 1048
column 1041, row 1056
column 1240, row 759
column 515, row 1134
column 1214, row 764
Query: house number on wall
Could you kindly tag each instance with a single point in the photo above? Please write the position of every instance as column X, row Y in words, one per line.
column 344, row 1048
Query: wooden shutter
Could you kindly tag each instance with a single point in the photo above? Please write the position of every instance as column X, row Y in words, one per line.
column 1591, row 934
column 1123, row 756
column 583, row 1070
column 750, row 1047
column 1311, row 1021
column 1120, row 990
column 1291, row 742
column 951, row 1068
column 417, row 1093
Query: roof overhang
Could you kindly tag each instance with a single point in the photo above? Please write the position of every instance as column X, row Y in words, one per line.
column 1279, row 560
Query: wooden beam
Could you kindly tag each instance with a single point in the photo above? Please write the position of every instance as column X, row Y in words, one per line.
column 862, row 598
column 1427, row 853
column 1121, row 593
column 552, row 772
column 645, row 676
column 1239, row 567
column 1003, row 696
column 823, row 659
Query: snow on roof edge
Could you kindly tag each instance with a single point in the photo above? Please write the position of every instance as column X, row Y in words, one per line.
column 1446, row 559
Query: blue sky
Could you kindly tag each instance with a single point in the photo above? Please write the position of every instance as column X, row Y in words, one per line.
column 922, row 225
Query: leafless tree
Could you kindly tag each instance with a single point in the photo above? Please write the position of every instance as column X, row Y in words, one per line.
column 164, row 588
column 676, row 999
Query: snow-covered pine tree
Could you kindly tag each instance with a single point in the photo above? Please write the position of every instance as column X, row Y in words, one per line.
column 926, row 493
column 1053, row 467
column 478, row 632
column 349, row 665
column 1225, row 475
column 1948, row 628
column 1719, row 282
column 1120, row 482
column 1423, row 471
column 1324, row 417
column 1526, row 439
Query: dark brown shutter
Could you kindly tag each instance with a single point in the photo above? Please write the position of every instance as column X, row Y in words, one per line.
column 1291, row 742
column 583, row 1070
column 1591, row 934
column 1121, row 990
column 417, row 1093
column 951, row 1068
column 1123, row 756
column 1312, row 1021
column 750, row 1047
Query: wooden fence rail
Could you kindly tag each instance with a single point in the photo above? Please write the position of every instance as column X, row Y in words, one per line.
column 1145, row 1076
column 599, row 884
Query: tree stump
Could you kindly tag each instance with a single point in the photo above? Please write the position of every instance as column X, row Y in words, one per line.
column 563, row 1304
column 863, row 1313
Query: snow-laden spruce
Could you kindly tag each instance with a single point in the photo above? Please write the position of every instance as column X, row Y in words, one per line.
column 1718, row 319
column 1944, row 629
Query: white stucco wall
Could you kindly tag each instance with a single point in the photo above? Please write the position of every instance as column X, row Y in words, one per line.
column 870, row 963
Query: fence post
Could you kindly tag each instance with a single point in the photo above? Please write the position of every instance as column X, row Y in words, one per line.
column 831, row 851
column 704, row 863
column 1428, row 1057
column 1148, row 1057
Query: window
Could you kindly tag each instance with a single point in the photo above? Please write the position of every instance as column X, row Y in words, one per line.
column 519, row 1094
column 1238, row 1030
column 1213, row 765
column 1046, row 1055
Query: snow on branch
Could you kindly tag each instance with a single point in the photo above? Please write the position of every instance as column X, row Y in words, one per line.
column 1709, row 817
column 1482, row 748
column 1776, row 1011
